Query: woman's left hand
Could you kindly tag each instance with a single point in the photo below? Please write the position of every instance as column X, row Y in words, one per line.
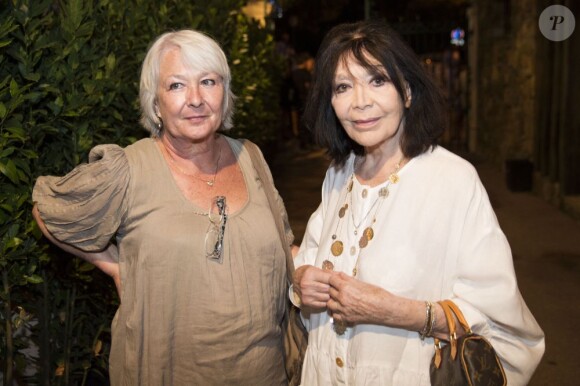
column 356, row 302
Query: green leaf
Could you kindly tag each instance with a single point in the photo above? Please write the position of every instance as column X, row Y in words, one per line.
column 14, row 90
column 86, row 267
column 86, row 29
column 10, row 171
column 5, row 82
column 29, row 154
column 34, row 279
column 5, row 43
column 34, row 77
column 110, row 63
column 13, row 242
column 17, row 132
column 6, row 152
column 3, row 110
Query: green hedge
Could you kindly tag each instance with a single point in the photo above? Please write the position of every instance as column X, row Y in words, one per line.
column 69, row 73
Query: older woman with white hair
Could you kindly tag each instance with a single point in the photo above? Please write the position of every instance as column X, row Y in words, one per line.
column 180, row 221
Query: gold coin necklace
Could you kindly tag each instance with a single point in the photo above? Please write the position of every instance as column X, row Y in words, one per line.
column 368, row 233
column 337, row 246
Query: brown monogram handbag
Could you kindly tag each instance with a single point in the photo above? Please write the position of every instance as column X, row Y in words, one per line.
column 469, row 360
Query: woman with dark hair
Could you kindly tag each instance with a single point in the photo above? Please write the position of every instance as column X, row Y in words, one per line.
column 403, row 224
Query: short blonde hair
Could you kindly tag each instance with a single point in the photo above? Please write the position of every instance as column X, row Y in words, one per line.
column 198, row 51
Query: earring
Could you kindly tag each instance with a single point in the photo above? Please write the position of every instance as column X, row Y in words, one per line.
column 159, row 124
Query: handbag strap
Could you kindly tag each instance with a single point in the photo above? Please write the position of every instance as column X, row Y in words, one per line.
column 459, row 315
column 451, row 326
column 258, row 164
column 450, row 309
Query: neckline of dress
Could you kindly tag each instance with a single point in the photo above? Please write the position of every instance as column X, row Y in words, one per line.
column 167, row 171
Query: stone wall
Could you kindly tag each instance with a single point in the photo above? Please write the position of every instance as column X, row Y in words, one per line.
column 524, row 93
column 506, row 78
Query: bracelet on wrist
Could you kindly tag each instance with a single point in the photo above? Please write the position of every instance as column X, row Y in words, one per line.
column 429, row 321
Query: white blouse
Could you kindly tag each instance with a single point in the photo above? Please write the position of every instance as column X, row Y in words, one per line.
column 435, row 237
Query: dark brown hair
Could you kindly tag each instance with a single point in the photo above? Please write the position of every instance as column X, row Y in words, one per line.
column 424, row 119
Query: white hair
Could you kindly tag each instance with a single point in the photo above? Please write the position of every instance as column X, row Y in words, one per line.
column 198, row 51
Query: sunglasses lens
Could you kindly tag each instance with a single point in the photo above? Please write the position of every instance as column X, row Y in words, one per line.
column 212, row 243
column 215, row 233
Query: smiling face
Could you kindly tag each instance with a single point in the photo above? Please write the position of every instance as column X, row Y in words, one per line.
column 189, row 101
column 367, row 104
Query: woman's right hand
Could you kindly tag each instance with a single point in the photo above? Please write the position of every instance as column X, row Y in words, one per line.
column 108, row 262
column 311, row 284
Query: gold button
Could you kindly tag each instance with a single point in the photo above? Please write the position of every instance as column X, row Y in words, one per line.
column 339, row 362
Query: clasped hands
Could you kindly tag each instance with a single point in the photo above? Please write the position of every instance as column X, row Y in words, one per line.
column 347, row 299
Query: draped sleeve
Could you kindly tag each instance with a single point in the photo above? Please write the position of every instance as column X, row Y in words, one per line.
column 486, row 290
column 85, row 207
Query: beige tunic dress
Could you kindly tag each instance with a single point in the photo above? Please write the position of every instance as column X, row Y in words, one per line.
column 183, row 319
